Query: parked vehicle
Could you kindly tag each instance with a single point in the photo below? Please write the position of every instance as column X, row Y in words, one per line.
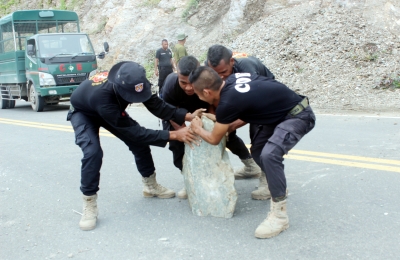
column 43, row 57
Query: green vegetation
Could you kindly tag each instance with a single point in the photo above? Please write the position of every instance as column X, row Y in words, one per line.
column 371, row 57
column 100, row 26
column 63, row 5
column 149, row 64
column 202, row 57
column 150, row 3
column 389, row 81
column 5, row 6
column 189, row 10
column 74, row 3
column 149, row 67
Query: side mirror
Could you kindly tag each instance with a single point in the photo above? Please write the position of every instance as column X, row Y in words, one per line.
column 30, row 49
column 106, row 47
column 101, row 55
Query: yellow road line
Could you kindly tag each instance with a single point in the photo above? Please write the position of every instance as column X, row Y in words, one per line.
column 344, row 163
column 343, row 156
column 348, row 157
column 29, row 123
column 64, row 128
column 38, row 126
column 348, row 160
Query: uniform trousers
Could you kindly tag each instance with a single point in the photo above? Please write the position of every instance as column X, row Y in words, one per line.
column 86, row 130
column 163, row 72
column 234, row 143
column 270, row 143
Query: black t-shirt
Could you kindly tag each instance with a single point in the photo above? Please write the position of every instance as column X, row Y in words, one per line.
column 254, row 99
column 164, row 57
column 173, row 94
column 252, row 65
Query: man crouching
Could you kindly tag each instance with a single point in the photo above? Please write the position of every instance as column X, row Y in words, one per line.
column 262, row 101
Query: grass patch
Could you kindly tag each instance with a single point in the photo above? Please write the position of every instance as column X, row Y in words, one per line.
column 149, row 64
column 389, row 81
column 150, row 3
column 74, row 3
column 371, row 57
column 63, row 5
column 202, row 58
column 189, row 10
column 100, row 26
column 5, row 6
column 149, row 67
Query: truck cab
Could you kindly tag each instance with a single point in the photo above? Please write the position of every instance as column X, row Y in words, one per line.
column 43, row 57
column 55, row 65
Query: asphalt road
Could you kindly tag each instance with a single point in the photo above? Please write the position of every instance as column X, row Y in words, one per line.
column 343, row 180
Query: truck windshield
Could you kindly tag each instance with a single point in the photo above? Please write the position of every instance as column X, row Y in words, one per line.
column 51, row 46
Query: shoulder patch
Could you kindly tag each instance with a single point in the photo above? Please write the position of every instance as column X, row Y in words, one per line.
column 99, row 78
column 239, row 55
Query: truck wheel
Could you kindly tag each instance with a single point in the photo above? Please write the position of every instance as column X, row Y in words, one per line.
column 11, row 103
column 37, row 102
column 4, row 103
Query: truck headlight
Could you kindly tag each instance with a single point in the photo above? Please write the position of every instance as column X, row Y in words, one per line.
column 91, row 74
column 46, row 79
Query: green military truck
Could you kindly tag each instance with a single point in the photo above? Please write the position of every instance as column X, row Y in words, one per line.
column 43, row 57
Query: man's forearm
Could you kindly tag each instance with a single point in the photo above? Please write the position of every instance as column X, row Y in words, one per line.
column 207, row 136
column 235, row 125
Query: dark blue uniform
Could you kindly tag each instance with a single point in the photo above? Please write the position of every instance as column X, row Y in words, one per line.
column 97, row 104
column 265, row 102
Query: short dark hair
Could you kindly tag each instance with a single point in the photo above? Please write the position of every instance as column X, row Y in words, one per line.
column 216, row 53
column 205, row 78
column 164, row 40
column 187, row 64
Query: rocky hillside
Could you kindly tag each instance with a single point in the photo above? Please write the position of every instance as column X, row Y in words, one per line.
column 343, row 54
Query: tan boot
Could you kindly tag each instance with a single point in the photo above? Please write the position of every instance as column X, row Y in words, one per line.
column 182, row 194
column 90, row 213
column 262, row 192
column 249, row 170
column 152, row 189
column 276, row 221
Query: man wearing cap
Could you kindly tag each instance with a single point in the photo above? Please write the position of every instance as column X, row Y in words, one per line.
column 262, row 101
column 179, row 48
column 164, row 64
column 101, row 102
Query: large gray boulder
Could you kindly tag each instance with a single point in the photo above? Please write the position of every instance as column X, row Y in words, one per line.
column 209, row 178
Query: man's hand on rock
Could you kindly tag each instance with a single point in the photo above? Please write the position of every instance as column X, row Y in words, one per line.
column 196, row 124
column 198, row 113
column 185, row 135
column 210, row 116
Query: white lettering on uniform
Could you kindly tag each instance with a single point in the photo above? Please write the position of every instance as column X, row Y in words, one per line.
column 241, row 82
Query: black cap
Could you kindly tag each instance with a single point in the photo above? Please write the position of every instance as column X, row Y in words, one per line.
column 131, row 81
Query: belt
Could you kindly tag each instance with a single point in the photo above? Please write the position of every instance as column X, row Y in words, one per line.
column 299, row 107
